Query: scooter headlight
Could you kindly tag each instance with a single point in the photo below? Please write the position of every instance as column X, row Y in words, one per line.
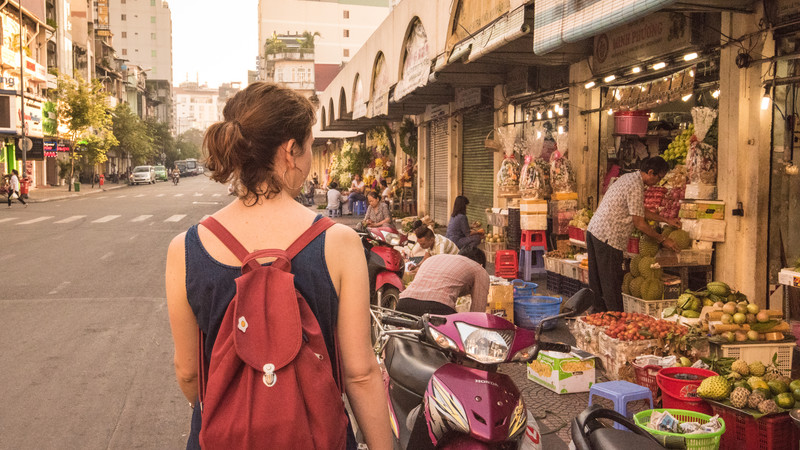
column 485, row 346
column 518, row 420
column 441, row 340
column 392, row 238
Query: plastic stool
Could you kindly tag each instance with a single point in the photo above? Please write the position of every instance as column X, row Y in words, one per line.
column 531, row 262
column 621, row 392
column 505, row 264
column 532, row 238
column 359, row 208
column 333, row 212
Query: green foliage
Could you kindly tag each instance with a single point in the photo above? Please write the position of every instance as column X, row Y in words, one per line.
column 132, row 135
column 307, row 41
column 274, row 45
column 408, row 137
column 351, row 160
column 163, row 141
column 81, row 105
column 96, row 146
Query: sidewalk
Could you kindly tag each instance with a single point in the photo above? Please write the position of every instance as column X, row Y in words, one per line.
column 50, row 193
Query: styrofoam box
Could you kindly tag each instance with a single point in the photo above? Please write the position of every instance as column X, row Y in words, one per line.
column 760, row 352
column 701, row 191
column 705, row 229
column 789, row 278
column 533, row 222
column 533, row 206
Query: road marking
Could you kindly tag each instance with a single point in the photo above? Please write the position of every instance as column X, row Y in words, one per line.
column 178, row 195
column 121, row 196
column 5, row 257
column 140, row 195
column 198, row 194
column 133, row 237
column 100, row 198
column 106, row 256
column 205, row 203
column 160, row 195
column 106, row 219
column 38, row 219
column 217, row 195
column 142, row 218
column 176, row 218
column 59, row 287
column 8, row 219
column 70, row 219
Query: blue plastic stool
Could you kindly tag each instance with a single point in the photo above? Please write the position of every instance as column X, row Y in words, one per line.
column 531, row 262
column 333, row 212
column 621, row 393
column 359, row 208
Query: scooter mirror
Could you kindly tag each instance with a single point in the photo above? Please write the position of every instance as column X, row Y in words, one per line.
column 579, row 302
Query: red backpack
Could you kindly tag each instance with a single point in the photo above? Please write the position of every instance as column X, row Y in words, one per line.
column 269, row 382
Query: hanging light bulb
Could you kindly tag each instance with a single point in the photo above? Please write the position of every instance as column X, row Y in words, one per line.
column 690, row 56
column 538, row 135
column 589, row 85
column 686, row 97
column 610, row 111
column 549, row 113
column 765, row 99
column 715, row 94
column 659, row 66
column 691, row 73
column 609, row 78
column 560, row 129
column 636, row 69
column 538, row 115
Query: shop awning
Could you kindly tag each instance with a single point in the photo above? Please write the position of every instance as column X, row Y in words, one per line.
column 559, row 22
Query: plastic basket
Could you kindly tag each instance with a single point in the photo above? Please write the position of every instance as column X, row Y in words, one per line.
column 653, row 308
column 646, row 376
column 554, row 281
column 631, row 122
column 550, row 264
column 579, row 234
column 760, row 352
column 529, row 311
column 704, row 441
column 633, row 245
column 773, row 432
column 682, row 393
column 524, row 288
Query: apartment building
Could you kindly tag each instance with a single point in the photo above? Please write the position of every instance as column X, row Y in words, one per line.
column 196, row 106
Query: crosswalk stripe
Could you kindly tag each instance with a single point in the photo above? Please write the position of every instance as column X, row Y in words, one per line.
column 70, row 219
column 160, row 195
column 198, row 194
column 175, row 218
column 178, row 195
column 8, row 219
column 142, row 218
column 100, row 198
column 217, row 195
column 140, row 195
column 121, row 196
column 106, row 219
column 38, row 219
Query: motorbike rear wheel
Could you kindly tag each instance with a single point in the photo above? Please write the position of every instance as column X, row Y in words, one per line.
column 389, row 297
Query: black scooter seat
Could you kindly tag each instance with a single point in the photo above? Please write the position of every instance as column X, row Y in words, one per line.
column 411, row 364
column 611, row 438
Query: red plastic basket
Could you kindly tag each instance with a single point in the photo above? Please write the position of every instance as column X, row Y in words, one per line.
column 682, row 394
column 579, row 234
column 633, row 245
column 646, row 376
column 631, row 122
column 773, row 432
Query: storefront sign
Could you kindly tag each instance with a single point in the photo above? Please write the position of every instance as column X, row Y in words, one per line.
column 417, row 64
column 50, row 149
column 433, row 112
column 102, row 14
column 469, row 16
column 379, row 104
column 33, row 118
column 558, row 22
column 655, row 35
column 466, row 97
column 35, row 71
column 359, row 102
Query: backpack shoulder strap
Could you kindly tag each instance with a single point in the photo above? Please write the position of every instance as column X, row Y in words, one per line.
column 309, row 235
column 225, row 237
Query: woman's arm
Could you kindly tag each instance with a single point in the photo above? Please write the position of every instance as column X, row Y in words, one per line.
column 362, row 378
column 384, row 212
column 181, row 320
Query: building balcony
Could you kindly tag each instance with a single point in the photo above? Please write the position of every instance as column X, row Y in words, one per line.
column 291, row 55
column 298, row 85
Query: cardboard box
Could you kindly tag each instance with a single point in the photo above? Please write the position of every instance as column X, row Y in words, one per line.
column 533, row 222
column 501, row 301
column 563, row 373
column 789, row 277
column 701, row 191
column 529, row 206
column 711, row 210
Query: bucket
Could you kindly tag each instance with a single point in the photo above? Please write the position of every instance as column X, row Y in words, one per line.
column 529, row 311
column 524, row 288
column 679, row 388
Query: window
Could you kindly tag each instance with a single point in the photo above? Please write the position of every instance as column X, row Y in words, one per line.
column 308, row 75
column 152, row 19
column 153, row 36
column 124, row 35
column 345, row 14
column 153, row 53
column 124, row 17
column 346, row 33
column 152, row 2
column 346, row 53
column 124, row 51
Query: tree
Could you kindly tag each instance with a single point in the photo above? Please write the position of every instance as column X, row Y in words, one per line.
column 307, row 41
column 274, row 45
column 163, row 141
column 83, row 106
column 132, row 135
column 190, row 143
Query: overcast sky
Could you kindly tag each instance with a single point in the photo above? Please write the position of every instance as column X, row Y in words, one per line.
column 213, row 40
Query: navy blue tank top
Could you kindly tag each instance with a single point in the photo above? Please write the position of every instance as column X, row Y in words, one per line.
column 210, row 287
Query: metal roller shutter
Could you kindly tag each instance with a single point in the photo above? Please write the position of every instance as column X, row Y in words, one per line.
column 437, row 171
column 477, row 173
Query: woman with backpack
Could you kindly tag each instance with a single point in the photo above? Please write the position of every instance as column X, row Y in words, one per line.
column 264, row 145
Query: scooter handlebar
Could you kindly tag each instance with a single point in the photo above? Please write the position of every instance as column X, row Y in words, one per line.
column 401, row 322
column 555, row 347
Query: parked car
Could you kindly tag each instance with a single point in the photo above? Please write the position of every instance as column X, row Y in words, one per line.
column 161, row 173
column 143, row 174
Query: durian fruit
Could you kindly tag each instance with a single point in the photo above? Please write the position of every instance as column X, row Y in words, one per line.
column 681, row 238
column 648, row 246
column 652, row 289
column 740, row 366
column 636, row 287
column 715, row 387
column 757, row 368
column 667, row 230
column 635, row 265
column 626, row 283
column 644, row 267
column 739, row 397
column 755, row 398
column 768, row 407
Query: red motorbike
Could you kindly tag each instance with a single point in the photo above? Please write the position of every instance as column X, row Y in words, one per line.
column 384, row 264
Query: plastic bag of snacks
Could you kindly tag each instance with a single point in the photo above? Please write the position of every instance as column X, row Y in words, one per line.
column 508, row 176
column 701, row 160
column 562, row 175
column 532, row 183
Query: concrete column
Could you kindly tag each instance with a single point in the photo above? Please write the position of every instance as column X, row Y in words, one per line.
column 422, row 169
column 743, row 171
column 455, row 154
column 583, row 133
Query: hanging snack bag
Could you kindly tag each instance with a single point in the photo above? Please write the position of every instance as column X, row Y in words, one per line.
column 701, row 160
column 508, row 175
column 562, row 175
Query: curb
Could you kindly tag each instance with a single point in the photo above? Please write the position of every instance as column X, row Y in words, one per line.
column 72, row 194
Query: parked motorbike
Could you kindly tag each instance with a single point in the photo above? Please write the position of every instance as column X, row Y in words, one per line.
column 384, row 264
column 588, row 433
column 442, row 383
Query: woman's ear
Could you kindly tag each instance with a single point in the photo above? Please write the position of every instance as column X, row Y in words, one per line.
column 288, row 153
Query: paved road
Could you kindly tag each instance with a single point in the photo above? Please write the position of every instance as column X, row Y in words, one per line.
column 86, row 351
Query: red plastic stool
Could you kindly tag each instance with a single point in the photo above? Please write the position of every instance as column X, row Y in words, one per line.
column 533, row 238
column 505, row 264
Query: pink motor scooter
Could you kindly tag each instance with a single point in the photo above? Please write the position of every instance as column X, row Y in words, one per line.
column 442, row 383
column 385, row 265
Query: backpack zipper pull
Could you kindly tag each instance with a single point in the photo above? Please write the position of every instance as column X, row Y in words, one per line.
column 270, row 378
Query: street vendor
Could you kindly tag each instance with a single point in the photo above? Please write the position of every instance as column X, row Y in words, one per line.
column 429, row 244
column 620, row 210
